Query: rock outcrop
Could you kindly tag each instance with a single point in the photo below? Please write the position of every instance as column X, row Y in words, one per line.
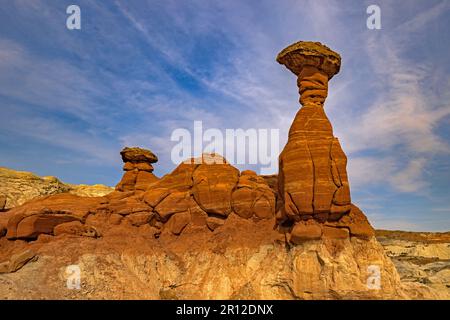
column 18, row 187
column 312, row 179
column 42, row 215
column 200, row 192
column 84, row 190
column 17, row 261
column 138, row 169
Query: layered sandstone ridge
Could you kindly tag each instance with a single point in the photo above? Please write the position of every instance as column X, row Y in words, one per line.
column 201, row 192
column 18, row 187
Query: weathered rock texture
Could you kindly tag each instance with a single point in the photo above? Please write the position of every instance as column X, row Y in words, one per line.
column 242, row 259
column 18, row 187
column 420, row 257
column 312, row 180
column 2, row 202
column 17, row 261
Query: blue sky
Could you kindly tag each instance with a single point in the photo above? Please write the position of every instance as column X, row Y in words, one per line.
column 137, row 70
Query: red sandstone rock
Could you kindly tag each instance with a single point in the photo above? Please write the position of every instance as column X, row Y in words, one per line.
column 3, row 230
column 128, row 166
column 308, row 170
column 32, row 226
column 175, row 202
column 2, row 202
column 42, row 215
column 154, row 196
column 213, row 223
column 253, row 197
column 180, row 179
column 305, row 231
column 311, row 192
column 144, row 179
column 243, row 200
column 178, row 222
column 144, row 166
column 198, row 216
column 128, row 181
column 17, row 261
column 116, row 196
column 139, row 219
column 128, row 206
column 212, row 187
column 264, row 206
column 115, row 219
column 76, row 228
column 137, row 155
column 335, row 233
column 357, row 223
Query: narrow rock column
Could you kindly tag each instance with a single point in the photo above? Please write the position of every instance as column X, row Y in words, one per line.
column 313, row 180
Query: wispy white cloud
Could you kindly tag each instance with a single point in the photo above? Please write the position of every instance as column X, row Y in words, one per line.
column 400, row 125
column 50, row 84
column 388, row 171
column 92, row 147
column 419, row 21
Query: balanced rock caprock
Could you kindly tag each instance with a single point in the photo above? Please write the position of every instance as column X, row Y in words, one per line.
column 313, row 182
column 138, row 169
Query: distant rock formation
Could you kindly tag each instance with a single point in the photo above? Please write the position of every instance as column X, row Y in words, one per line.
column 18, row 187
column 420, row 257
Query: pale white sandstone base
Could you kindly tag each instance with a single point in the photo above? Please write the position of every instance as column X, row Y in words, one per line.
column 314, row 270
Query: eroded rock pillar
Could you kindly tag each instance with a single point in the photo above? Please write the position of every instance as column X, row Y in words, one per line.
column 312, row 168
